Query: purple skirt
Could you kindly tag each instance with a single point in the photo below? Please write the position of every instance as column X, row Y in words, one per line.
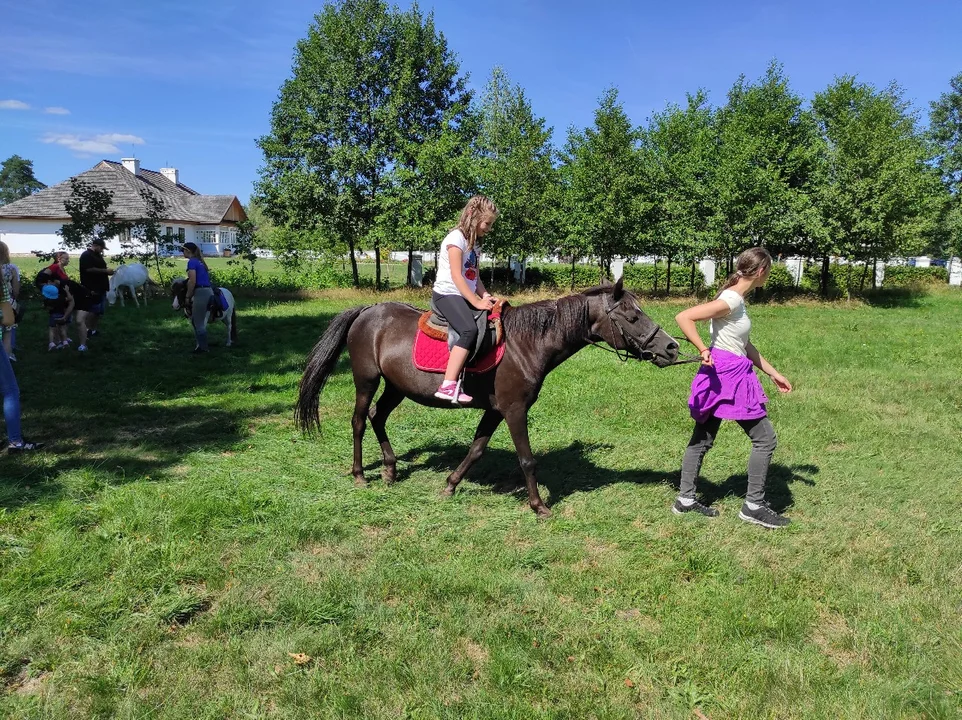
column 729, row 390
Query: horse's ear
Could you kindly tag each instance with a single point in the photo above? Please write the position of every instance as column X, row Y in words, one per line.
column 619, row 289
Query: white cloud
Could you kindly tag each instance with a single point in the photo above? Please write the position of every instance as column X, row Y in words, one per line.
column 56, row 111
column 95, row 145
column 13, row 105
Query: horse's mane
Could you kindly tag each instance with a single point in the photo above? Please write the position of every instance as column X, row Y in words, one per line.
column 568, row 315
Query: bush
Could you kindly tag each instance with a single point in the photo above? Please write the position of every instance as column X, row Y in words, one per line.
column 840, row 277
column 642, row 277
column 780, row 279
column 905, row 276
column 559, row 276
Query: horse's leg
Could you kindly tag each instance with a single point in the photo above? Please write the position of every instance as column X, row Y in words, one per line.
column 364, row 391
column 133, row 292
column 518, row 425
column 390, row 399
column 489, row 423
column 227, row 315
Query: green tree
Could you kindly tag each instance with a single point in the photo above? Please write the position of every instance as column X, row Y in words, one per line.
column 428, row 186
column 368, row 81
column 516, row 169
column 945, row 122
column 91, row 217
column 17, row 180
column 769, row 159
column 883, row 194
column 144, row 240
column 603, row 185
column 678, row 160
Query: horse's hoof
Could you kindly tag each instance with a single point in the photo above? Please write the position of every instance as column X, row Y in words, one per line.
column 543, row 512
column 389, row 475
column 360, row 482
column 448, row 490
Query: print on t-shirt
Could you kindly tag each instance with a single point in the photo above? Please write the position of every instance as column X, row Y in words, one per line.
column 471, row 266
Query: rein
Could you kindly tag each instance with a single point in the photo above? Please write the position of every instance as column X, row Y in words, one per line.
column 644, row 342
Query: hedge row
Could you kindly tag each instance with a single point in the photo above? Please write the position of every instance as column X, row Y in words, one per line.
column 844, row 277
column 558, row 277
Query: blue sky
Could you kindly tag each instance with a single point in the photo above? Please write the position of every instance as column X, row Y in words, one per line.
column 190, row 84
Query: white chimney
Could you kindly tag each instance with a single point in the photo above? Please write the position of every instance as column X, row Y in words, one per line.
column 171, row 174
column 132, row 164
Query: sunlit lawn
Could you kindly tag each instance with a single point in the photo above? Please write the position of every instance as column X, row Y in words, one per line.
column 180, row 551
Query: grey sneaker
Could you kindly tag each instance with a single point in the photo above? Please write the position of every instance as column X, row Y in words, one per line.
column 679, row 508
column 764, row 516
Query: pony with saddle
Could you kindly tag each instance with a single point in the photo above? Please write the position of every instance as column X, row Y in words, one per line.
column 221, row 307
column 382, row 342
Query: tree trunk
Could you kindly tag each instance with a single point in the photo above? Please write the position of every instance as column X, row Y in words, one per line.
column 823, row 280
column 354, row 273
column 691, row 282
column 407, row 280
column 874, row 273
column 861, row 282
column 572, row 272
column 377, row 265
column 668, row 278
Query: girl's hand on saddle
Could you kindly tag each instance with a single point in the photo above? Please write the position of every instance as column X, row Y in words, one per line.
column 485, row 303
column 781, row 382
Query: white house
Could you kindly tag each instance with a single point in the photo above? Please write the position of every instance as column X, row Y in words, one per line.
column 32, row 223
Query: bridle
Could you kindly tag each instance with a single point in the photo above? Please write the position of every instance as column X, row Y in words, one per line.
column 642, row 345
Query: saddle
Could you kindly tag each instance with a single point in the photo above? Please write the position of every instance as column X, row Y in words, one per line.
column 435, row 338
column 217, row 305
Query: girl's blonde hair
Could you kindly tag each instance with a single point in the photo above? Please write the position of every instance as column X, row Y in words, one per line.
column 747, row 265
column 4, row 253
column 478, row 208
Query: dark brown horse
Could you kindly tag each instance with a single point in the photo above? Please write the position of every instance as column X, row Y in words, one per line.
column 539, row 336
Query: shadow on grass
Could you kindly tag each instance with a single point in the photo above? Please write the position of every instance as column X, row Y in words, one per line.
column 777, row 490
column 562, row 471
column 138, row 401
column 570, row 470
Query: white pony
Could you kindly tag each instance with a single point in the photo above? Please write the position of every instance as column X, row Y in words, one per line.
column 178, row 290
column 130, row 276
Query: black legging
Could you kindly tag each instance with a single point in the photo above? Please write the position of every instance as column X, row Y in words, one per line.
column 459, row 314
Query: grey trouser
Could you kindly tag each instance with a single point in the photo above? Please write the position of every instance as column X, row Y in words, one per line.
column 764, row 441
column 198, row 316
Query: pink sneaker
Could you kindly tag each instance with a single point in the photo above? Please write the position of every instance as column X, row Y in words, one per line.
column 446, row 392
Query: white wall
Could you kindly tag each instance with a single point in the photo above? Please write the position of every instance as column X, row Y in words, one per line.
column 24, row 236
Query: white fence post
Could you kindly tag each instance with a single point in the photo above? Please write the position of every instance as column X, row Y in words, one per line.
column 617, row 269
column 795, row 266
column 707, row 268
column 417, row 272
column 955, row 271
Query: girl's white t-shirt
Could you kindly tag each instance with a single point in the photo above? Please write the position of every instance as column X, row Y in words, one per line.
column 444, row 283
column 731, row 332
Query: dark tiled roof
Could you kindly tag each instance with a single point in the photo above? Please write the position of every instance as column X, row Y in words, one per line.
column 181, row 202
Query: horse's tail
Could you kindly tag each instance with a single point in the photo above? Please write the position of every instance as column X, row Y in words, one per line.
column 233, row 324
column 320, row 365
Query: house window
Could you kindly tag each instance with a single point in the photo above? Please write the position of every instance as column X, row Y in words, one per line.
column 182, row 234
column 170, row 231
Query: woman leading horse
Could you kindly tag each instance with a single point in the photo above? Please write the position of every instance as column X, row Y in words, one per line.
column 538, row 336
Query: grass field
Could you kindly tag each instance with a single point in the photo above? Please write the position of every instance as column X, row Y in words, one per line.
column 180, row 551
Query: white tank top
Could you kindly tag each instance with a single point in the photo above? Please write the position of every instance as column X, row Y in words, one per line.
column 731, row 332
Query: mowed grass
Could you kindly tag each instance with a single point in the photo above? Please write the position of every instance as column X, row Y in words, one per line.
column 181, row 551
